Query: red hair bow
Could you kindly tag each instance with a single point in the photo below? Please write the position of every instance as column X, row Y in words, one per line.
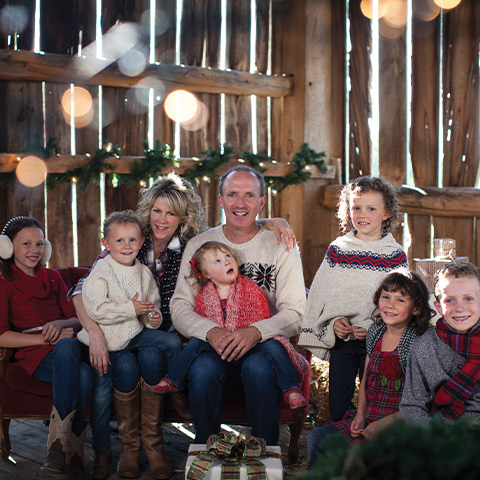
column 194, row 268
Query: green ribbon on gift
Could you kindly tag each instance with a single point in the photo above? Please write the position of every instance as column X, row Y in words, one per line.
column 232, row 450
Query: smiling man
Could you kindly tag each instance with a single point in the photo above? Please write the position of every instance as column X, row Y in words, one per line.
column 232, row 357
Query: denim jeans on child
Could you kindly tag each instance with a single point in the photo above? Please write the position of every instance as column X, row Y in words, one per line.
column 68, row 369
column 148, row 355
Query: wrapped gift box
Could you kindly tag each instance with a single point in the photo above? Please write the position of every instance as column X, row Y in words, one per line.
column 273, row 466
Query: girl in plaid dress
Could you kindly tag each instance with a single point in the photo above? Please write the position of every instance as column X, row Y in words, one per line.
column 401, row 313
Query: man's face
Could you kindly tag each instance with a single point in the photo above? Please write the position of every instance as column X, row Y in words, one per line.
column 241, row 199
column 459, row 302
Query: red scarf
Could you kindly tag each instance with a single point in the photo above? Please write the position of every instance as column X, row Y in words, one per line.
column 246, row 305
column 451, row 397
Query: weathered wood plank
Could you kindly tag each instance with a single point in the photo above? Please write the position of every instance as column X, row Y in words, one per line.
column 460, row 229
column 24, row 39
column 461, row 95
column 441, row 202
column 393, row 111
column 360, row 102
column 419, row 227
column 28, row 66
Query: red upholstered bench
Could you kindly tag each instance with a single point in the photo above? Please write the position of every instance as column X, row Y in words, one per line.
column 23, row 396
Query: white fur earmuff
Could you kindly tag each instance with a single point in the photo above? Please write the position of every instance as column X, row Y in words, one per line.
column 6, row 247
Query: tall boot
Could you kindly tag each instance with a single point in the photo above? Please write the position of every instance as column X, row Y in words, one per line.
column 58, row 433
column 74, row 457
column 127, row 413
column 152, row 437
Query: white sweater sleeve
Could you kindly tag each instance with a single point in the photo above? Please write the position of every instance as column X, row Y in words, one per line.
column 96, row 299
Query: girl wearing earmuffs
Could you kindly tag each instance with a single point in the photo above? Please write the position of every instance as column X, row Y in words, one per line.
column 39, row 323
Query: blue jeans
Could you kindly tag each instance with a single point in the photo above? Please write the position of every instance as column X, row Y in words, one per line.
column 148, row 355
column 255, row 371
column 347, row 359
column 316, row 442
column 67, row 368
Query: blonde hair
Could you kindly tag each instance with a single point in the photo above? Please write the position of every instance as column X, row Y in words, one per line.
column 368, row 184
column 122, row 218
column 198, row 260
column 181, row 198
column 455, row 270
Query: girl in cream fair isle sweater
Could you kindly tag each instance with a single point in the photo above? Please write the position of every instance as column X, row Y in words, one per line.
column 340, row 306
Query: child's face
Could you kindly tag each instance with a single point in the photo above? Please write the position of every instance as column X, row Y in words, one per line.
column 220, row 267
column 367, row 212
column 123, row 241
column 396, row 309
column 459, row 302
column 28, row 248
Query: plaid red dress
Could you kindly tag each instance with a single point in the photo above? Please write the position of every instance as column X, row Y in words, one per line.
column 383, row 389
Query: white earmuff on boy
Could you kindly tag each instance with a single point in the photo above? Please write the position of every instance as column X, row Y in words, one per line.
column 6, row 245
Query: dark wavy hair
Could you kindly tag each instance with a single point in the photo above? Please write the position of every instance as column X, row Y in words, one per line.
column 408, row 284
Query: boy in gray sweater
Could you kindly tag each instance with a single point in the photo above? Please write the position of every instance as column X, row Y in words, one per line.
column 444, row 364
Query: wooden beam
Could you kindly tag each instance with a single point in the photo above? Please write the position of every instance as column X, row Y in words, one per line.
column 64, row 163
column 24, row 65
column 441, row 202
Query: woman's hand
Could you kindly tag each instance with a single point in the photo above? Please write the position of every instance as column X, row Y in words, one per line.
column 342, row 328
column 281, row 227
column 67, row 332
column 142, row 308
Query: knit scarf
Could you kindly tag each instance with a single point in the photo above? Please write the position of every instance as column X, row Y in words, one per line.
column 246, row 305
column 451, row 397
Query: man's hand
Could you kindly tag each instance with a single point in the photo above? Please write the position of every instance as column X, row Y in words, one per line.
column 360, row 333
column 98, row 352
column 216, row 337
column 342, row 328
column 239, row 342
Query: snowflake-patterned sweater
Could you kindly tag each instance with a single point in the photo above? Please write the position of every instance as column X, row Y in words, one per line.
column 277, row 272
column 344, row 286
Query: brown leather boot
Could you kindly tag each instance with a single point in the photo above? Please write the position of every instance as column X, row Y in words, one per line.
column 74, row 468
column 101, row 465
column 152, row 437
column 58, row 433
column 127, row 413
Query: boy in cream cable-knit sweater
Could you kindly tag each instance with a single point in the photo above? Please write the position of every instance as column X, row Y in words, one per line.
column 121, row 295
column 339, row 306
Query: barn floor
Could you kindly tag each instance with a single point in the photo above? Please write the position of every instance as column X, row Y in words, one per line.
column 29, row 438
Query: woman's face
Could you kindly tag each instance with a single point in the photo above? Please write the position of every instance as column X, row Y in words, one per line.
column 28, row 248
column 163, row 221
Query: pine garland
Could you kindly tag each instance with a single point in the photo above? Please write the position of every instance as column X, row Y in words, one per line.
column 160, row 157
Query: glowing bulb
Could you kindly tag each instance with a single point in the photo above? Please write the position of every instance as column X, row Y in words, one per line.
column 181, row 106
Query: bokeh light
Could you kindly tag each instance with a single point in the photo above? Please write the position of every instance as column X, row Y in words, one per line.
column 13, row 19
column 133, row 62
column 387, row 31
column 447, row 4
column 181, row 106
column 31, row 171
column 199, row 120
column 425, row 10
column 396, row 15
column 367, row 8
column 81, row 100
column 162, row 21
column 142, row 89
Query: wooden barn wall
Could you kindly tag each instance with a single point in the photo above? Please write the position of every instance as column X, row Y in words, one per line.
column 64, row 26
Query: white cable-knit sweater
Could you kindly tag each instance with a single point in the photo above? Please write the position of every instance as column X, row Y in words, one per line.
column 278, row 273
column 344, row 286
column 107, row 295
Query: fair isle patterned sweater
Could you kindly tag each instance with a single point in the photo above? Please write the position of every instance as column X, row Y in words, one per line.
column 344, row 286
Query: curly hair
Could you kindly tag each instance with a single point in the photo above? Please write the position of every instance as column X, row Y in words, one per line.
column 121, row 218
column 408, row 284
column 181, row 198
column 456, row 270
column 368, row 184
column 11, row 229
column 198, row 260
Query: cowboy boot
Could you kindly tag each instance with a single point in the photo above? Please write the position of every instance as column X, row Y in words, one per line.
column 58, row 432
column 127, row 413
column 101, row 465
column 75, row 469
column 152, row 437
